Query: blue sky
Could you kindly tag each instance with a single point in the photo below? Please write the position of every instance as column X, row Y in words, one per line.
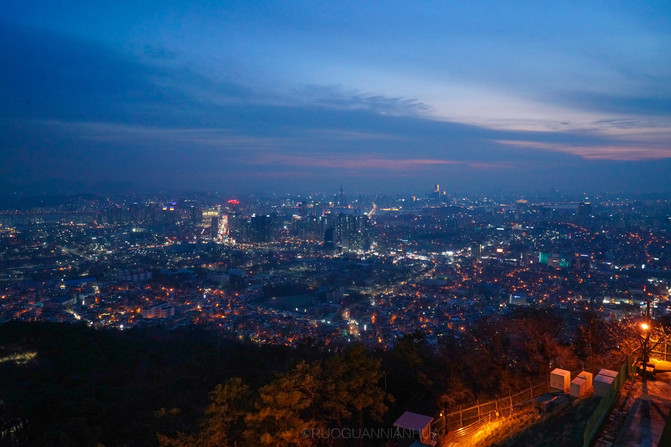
column 295, row 96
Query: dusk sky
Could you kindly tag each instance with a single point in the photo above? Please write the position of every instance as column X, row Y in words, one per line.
column 377, row 96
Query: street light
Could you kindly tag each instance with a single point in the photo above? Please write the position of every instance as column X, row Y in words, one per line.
column 644, row 368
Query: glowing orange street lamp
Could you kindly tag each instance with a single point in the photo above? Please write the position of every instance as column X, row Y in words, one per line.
column 645, row 368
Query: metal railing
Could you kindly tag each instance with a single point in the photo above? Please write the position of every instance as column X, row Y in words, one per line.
column 601, row 412
column 466, row 421
column 662, row 351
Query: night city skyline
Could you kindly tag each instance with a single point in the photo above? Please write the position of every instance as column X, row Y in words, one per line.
column 296, row 97
column 323, row 224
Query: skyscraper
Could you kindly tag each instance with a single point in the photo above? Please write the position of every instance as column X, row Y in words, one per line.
column 262, row 228
column 353, row 232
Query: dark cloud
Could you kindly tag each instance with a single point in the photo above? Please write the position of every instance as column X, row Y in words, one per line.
column 339, row 98
column 53, row 76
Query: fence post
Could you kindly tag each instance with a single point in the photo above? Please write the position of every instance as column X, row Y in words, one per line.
column 510, row 396
column 477, row 404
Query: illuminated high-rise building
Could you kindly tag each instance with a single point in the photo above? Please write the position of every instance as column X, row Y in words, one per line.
column 168, row 213
column 234, row 206
column 207, row 216
column 353, row 232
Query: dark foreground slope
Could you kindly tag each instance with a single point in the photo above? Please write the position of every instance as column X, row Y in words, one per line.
column 86, row 386
column 74, row 385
